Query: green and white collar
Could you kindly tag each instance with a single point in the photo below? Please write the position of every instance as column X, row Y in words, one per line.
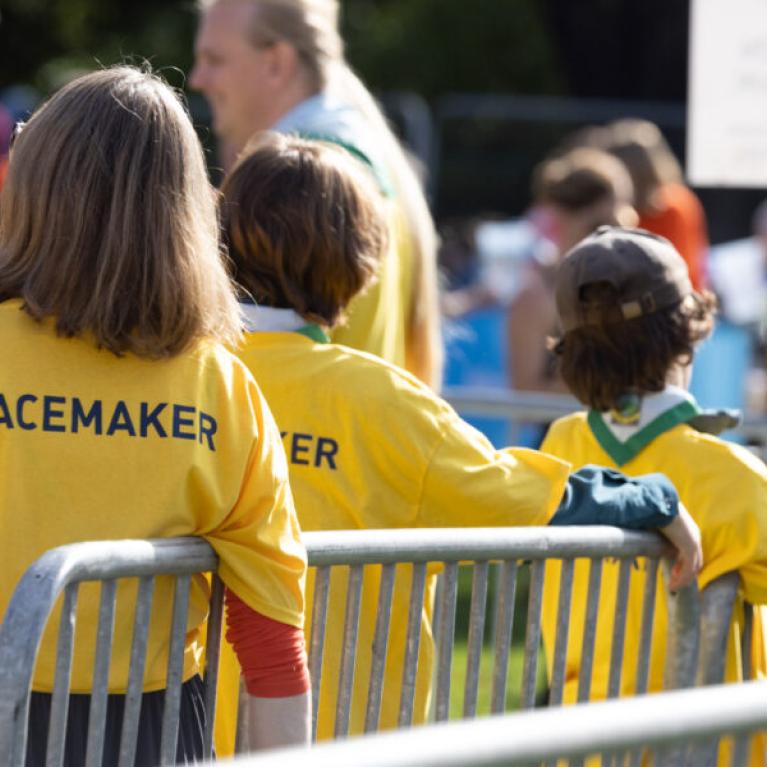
column 623, row 435
column 267, row 319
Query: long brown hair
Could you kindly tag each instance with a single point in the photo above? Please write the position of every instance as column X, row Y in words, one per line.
column 305, row 226
column 108, row 223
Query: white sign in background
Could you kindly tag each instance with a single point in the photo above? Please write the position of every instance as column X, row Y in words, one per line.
column 727, row 102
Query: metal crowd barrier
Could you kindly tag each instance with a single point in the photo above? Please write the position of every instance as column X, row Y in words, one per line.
column 666, row 722
column 698, row 624
column 62, row 570
column 518, row 407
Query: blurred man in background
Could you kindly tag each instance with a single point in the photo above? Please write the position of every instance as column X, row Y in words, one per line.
column 279, row 64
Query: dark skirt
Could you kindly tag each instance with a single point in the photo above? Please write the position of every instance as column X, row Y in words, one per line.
column 190, row 734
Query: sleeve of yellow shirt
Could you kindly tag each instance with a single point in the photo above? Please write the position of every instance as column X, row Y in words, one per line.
column 470, row 483
column 262, row 558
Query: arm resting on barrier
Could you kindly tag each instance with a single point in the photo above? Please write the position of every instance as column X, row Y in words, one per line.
column 600, row 496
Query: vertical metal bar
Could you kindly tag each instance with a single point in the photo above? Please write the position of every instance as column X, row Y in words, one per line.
column 619, row 628
column 476, row 637
column 648, row 616
column 317, row 642
column 645, row 641
column 172, row 706
column 349, row 652
column 563, row 629
column 742, row 745
column 590, row 630
column 532, row 635
column 504, row 624
column 412, row 646
column 380, row 645
column 747, row 640
column 98, row 708
column 57, row 727
column 683, row 641
column 445, row 639
column 142, row 616
column 212, row 657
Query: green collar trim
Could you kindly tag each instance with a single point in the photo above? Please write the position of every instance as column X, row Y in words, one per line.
column 387, row 189
column 315, row 332
column 623, row 452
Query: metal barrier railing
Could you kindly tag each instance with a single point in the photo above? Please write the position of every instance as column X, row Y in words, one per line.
column 63, row 570
column 507, row 546
column 518, row 407
column 666, row 722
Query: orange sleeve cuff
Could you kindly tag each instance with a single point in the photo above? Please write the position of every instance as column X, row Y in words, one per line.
column 272, row 655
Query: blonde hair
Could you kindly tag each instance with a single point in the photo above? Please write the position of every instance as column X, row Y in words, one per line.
column 108, row 222
column 641, row 147
column 311, row 27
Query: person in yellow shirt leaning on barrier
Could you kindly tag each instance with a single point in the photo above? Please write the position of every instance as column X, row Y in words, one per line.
column 368, row 445
column 630, row 322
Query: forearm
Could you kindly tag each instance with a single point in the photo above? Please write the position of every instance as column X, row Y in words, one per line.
column 276, row 722
column 600, row 496
column 273, row 661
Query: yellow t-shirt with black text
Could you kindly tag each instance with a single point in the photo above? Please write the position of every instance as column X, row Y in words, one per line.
column 95, row 446
column 370, row 446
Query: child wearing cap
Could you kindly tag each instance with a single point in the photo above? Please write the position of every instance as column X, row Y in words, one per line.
column 368, row 445
column 630, row 321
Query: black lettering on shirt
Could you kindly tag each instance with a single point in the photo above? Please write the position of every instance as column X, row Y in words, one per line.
column 80, row 416
column 121, row 420
column 152, row 418
column 20, row 402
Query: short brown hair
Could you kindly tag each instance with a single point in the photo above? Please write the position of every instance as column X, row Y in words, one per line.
column 600, row 363
column 108, row 222
column 579, row 178
column 305, row 226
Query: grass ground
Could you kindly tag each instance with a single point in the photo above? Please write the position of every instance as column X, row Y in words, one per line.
column 513, row 682
column 514, row 676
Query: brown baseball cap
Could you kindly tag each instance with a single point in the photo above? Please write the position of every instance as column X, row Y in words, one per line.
column 645, row 270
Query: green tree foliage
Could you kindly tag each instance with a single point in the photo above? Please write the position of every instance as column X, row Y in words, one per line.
column 437, row 46
column 45, row 42
column 429, row 46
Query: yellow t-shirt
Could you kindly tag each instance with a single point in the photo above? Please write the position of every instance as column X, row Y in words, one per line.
column 370, row 446
column 377, row 320
column 725, row 489
column 95, row 446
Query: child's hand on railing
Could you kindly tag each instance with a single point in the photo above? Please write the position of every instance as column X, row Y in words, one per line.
column 685, row 536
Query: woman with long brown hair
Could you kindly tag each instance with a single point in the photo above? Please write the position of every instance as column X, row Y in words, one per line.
column 121, row 413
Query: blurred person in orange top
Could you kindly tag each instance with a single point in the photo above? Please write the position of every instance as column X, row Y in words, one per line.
column 666, row 206
column 6, row 130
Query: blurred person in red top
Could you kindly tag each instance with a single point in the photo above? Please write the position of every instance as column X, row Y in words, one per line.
column 6, row 128
column 666, row 206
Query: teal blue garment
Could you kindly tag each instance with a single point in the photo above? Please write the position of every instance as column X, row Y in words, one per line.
column 324, row 117
column 598, row 496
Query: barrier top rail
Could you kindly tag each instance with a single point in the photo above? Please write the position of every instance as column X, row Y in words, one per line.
column 516, row 739
column 360, row 547
column 540, row 407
